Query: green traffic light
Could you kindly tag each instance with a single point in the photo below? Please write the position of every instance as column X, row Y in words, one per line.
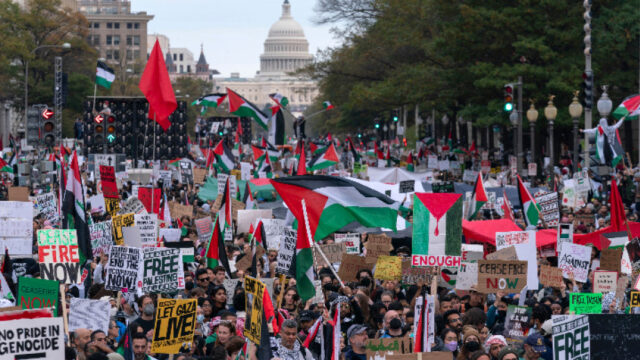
column 377, row 126
column 508, row 106
column 111, row 138
column 219, row 133
column 395, row 118
column 359, row 135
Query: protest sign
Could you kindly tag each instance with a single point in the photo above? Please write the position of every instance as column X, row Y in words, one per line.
column 505, row 239
column 199, row 175
column 144, row 195
column 350, row 266
column 575, row 259
column 248, row 217
column 444, row 165
column 516, row 325
column 247, row 260
column 376, row 245
column 147, row 224
column 443, row 187
column 236, row 206
column 551, row 276
column 565, row 235
column 131, row 236
column 161, row 271
column 527, row 252
column 437, row 229
column 133, row 205
column 122, row 268
column 254, row 294
column 112, row 206
column 581, row 181
column 16, row 209
column 273, row 230
column 432, row 161
column 89, row 314
column 351, row 242
column 610, row 259
column 169, row 235
column 204, row 227
column 222, row 182
column 611, row 336
column 467, row 275
column 378, row 349
column 186, row 172
column 23, row 339
column 333, row 252
column 174, row 325
column 406, row 186
column 230, row 286
column 634, row 301
column 585, row 303
column 472, row 252
column 532, row 169
column 178, row 210
column 47, row 206
column 500, row 275
column 388, row 268
column 571, row 338
column 469, row 176
column 604, row 281
column 96, row 203
column 548, row 204
column 101, row 237
column 108, row 182
column 117, row 223
column 18, row 193
column 287, row 251
column 187, row 252
column 417, row 275
column 58, row 255
column 36, row 293
column 508, row 253
column 165, row 176
column 16, row 235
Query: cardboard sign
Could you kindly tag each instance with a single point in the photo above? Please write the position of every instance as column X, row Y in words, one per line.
column 236, row 206
column 610, row 259
column 417, row 275
column 575, row 259
column 379, row 348
column 287, row 251
column 499, row 275
column 548, row 204
column 16, row 235
column 161, row 271
column 133, row 205
column 351, row 242
column 406, row 186
column 569, row 331
column 254, row 292
column 101, row 236
column 18, row 193
column 89, row 314
column 467, row 275
column 333, row 252
column 58, row 255
column 204, row 227
column 376, row 245
column 635, row 299
column 186, row 172
column 551, row 276
column 604, row 281
column 199, row 176
column 585, row 303
column 388, row 268
column 444, row 187
column 36, row 293
column 178, row 210
column 108, row 182
column 506, row 239
column 508, row 253
column 246, row 261
column 112, row 206
column 27, row 338
column 147, row 224
column 516, row 325
column 117, row 223
column 174, row 325
column 47, row 206
column 122, row 269
column 350, row 266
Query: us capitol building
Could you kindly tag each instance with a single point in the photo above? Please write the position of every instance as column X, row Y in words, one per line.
column 285, row 50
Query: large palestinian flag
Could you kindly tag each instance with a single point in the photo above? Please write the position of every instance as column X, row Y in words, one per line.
column 225, row 161
column 437, row 228
column 243, row 107
column 530, row 210
column 629, row 108
column 216, row 254
column 210, row 100
column 478, row 198
column 325, row 158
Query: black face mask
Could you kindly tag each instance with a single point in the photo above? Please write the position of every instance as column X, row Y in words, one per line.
column 395, row 324
column 472, row 346
column 502, row 314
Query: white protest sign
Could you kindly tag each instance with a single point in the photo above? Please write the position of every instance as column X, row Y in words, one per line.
column 248, row 217
column 101, row 236
column 287, row 251
column 165, row 176
column 24, row 340
column 273, row 229
column 46, row 205
column 161, row 271
column 230, row 287
column 509, row 238
column 432, row 161
column 148, row 226
column 472, row 252
column 351, row 242
column 569, row 331
column 467, row 275
column 122, row 268
column 245, row 171
column 89, row 314
column 169, row 235
column 131, row 236
column 575, row 259
column 222, row 181
column 133, row 205
column 16, row 209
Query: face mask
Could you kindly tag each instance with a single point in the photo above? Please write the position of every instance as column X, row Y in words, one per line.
column 451, row 346
column 395, row 324
column 200, row 318
column 188, row 285
column 149, row 309
column 502, row 313
column 472, row 346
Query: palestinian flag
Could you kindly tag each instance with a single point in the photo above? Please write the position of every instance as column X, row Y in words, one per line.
column 210, row 100
column 377, row 151
column 216, row 254
column 74, row 216
column 325, row 158
column 104, row 75
column 530, row 210
column 276, row 126
column 279, row 99
column 449, row 143
column 478, row 198
column 264, row 165
column 4, row 167
column 314, row 330
column 337, row 333
column 437, row 224
column 259, row 235
column 333, row 202
column 243, row 107
column 424, row 323
column 327, row 105
column 313, row 147
column 248, row 200
column 225, row 213
column 225, row 161
column 506, row 207
column 410, row 165
column 608, row 151
column 618, row 219
column 354, row 151
column 628, row 108
column 616, row 239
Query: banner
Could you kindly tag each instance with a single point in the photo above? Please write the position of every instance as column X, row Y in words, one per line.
column 89, row 314
column 36, row 293
column 108, row 181
column 287, row 251
column 516, row 325
column 351, row 242
column 22, row 339
column 148, row 226
column 575, row 259
column 568, row 332
column 499, row 275
column 118, row 222
column 604, row 281
column 123, row 268
column 161, row 271
column 254, row 292
column 58, row 255
column 101, row 236
column 388, row 268
column 506, row 239
column 585, row 303
column 174, row 325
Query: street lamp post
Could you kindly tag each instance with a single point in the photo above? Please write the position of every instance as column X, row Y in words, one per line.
column 550, row 112
column 513, row 117
column 445, row 122
column 26, row 75
column 532, row 116
column 604, row 103
column 462, row 129
column 575, row 110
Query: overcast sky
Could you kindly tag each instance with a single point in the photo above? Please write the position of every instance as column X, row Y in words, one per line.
column 232, row 32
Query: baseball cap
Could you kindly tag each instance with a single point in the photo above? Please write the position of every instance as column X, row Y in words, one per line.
column 355, row 330
column 307, row 315
column 536, row 341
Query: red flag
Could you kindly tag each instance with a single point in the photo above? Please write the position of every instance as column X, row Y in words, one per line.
column 617, row 209
column 156, row 87
column 302, row 161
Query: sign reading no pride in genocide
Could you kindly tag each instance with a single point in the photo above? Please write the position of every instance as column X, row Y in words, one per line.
column 175, row 324
column 40, row 338
column 58, row 255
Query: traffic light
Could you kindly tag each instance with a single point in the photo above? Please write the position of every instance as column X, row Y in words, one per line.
column 377, row 125
column 508, row 97
column 110, row 130
column 588, row 89
column 394, row 115
column 34, row 124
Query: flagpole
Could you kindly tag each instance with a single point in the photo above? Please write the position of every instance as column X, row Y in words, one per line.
column 153, row 158
column 95, row 90
column 315, row 113
column 317, row 247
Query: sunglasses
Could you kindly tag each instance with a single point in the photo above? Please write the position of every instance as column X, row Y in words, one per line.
column 203, row 279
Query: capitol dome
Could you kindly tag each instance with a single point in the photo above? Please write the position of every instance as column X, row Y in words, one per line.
column 286, row 48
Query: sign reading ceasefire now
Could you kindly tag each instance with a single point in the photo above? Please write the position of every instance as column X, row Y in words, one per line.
column 501, row 275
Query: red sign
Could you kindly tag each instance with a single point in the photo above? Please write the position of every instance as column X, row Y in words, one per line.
column 108, row 180
column 144, row 195
column 99, row 119
column 47, row 114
